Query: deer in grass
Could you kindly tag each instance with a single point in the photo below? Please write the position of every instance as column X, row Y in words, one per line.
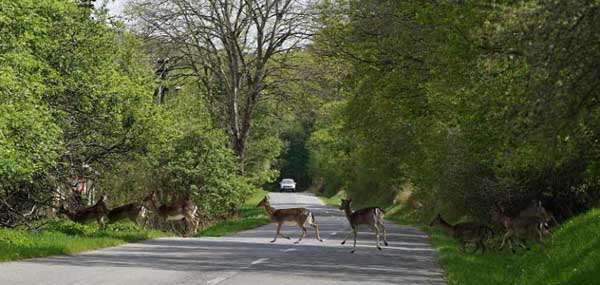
column 536, row 210
column 468, row 232
column 372, row 217
column 521, row 227
column 96, row 212
column 178, row 210
column 136, row 212
column 299, row 216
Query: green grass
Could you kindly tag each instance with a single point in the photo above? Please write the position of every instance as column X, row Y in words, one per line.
column 570, row 256
column 250, row 217
column 334, row 200
column 65, row 237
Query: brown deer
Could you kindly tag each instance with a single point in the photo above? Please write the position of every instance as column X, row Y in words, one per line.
column 520, row 228
column 96, row 212
column 373, row 217
column 468, row 232
column 132, row 211
column 536, row 210
column 178, row 210
column 300, row 216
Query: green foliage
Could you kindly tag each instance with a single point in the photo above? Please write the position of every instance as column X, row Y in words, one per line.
column 65, row 237
column 76, row 101
column 571, row 256
column 472, row 104
column 75, row 97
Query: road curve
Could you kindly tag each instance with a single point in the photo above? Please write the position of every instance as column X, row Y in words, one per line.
column 247, row 258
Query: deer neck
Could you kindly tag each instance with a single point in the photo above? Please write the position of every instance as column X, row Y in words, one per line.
column 348, row 212
column 447, row 227
column 270, row 210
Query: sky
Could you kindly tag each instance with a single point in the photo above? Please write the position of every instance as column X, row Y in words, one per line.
column 114, row 6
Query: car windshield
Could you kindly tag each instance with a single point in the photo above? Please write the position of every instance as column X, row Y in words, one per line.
column 287, row 181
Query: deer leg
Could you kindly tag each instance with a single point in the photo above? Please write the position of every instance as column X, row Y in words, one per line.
column 279, row 233
column 314, row 225
column 347, row 236
column 504, row 239
column 101, row 223
column 376, row 230
column 384, row 233
column 355, row 232
column 311, row 221
column 302, row 235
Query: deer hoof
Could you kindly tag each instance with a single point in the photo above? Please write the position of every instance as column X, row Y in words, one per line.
column 296, row 242
column 288, row 237
column 386, row 243
column 321, row 240
column 352, row 251
column 273, row 241
column 344, row 242
column 378, row 247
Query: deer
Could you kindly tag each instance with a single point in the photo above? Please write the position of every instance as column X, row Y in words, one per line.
column 536, row 210
column 183, row 209
column 372, row 216
column 132, row 211
column 98, row 212
column 299, row 216
column 467, row 232
column 520, row 227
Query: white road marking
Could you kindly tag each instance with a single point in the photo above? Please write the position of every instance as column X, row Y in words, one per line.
column 259, row 261
column 289, row 249
column 332, row 234
column 222, row 278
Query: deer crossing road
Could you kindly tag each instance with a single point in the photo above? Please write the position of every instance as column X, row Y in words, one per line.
column 248, row 257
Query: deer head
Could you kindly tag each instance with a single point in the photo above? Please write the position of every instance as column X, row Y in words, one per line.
column 346, row 203
column 265, row 202
column 437, row 220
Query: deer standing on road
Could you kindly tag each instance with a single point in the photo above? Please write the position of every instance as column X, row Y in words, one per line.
column 135, row 212
column 465, row 232
column 373, row 217
column 179, row 210
column 299, row 216
column 98, row 212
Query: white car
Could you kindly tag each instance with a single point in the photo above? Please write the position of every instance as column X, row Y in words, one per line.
column 287, row 184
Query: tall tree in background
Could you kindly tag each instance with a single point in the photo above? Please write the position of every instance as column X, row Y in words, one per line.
column 234, row 49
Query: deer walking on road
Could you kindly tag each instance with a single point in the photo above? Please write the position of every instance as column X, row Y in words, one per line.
column 372, row 217
column 299, row 216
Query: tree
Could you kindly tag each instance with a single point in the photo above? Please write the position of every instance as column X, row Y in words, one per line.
column 229, row 47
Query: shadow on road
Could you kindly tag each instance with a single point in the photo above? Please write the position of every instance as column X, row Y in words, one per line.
column 408, row 260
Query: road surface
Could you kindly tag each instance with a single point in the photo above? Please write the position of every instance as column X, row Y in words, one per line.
column 247, row 258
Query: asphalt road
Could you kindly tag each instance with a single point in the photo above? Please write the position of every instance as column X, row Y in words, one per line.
column 247, row 258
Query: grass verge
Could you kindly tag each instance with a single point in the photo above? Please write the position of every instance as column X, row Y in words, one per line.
column 334, row 200
column 250, row 217
column 65, row 237
column 571, row 255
